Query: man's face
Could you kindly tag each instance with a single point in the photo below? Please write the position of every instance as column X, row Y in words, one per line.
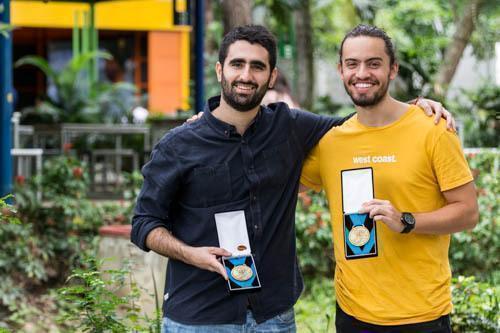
column 245, row 76
column 366, row 70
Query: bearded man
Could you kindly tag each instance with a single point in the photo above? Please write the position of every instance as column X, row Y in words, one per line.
column 238, row 157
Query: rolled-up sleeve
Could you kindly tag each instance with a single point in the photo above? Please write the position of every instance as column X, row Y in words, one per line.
column 161, row 181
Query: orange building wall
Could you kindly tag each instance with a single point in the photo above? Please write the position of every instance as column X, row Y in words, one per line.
column 165, row 71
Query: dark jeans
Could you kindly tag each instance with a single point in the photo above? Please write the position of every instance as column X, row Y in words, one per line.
column 348, row 324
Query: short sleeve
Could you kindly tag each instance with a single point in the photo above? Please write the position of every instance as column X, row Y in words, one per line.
column 449, row 162
column 311, row 176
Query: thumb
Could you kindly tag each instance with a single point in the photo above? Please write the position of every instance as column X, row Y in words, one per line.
column 221, row 270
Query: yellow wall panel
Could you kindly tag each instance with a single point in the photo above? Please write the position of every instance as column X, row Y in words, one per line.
column 113, row 15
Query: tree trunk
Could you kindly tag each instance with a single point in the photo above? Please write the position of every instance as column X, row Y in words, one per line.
column 236, row 13
column 305, row 56
column 465, row 26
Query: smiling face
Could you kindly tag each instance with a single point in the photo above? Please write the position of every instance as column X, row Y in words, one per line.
column 366, row 70
column 245, row 76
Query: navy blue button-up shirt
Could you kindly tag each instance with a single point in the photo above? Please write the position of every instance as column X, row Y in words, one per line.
column 206, row 167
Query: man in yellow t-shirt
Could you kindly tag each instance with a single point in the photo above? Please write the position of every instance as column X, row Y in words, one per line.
column 397, row 186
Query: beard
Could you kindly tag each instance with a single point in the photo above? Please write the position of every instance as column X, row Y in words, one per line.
column 365, row 100
column 243, row 102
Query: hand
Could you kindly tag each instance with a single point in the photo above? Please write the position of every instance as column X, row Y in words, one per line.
column 383, row 210
column 431, row 107
column 206, row 258
column 194, row 118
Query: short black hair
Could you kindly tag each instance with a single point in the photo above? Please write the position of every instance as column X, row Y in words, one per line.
column 254, row 34
column 370, row 31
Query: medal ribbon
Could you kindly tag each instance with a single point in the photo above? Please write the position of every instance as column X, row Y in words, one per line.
column 359, row 220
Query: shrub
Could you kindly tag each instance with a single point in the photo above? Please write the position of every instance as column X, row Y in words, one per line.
column 314, row 236
column 475, row 306
column 475, row 252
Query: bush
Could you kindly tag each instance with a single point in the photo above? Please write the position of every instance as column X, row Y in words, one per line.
column 475, row 252
column 47, row 238
column 89, row 303
column 314, row 236
column 475, row 306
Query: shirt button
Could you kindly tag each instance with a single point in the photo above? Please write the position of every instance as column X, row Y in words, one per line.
column 256, row 227
column 226, row 132
column 254, row 198
column 243, row 141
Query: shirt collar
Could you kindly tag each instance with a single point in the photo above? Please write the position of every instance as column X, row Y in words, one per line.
column 224, row 128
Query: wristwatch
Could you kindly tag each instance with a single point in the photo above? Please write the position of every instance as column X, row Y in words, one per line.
column 408, row 221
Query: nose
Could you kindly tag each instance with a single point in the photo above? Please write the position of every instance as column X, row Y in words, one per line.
column 362, row 72
column 246, row 74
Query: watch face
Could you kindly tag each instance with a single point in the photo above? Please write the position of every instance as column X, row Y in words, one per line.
column 409, row 219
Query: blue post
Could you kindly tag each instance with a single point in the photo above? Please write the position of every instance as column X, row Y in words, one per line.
column 6, row 99
column 199, row 26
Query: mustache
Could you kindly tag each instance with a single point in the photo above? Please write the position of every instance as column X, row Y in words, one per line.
column 354, row 81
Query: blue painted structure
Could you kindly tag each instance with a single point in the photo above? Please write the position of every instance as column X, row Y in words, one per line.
column 6, row 100
column 199, row 26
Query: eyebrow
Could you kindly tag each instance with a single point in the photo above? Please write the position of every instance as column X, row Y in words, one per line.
column 369, row 59
column 252, row 62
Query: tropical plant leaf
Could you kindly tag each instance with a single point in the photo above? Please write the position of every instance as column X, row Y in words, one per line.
column 38, row 62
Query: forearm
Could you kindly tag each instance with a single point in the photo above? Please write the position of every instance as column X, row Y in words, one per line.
column 161, row 241
column 453, row 217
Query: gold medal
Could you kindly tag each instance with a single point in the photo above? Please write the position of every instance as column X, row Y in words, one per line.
column 359, row 235
column 241, row 272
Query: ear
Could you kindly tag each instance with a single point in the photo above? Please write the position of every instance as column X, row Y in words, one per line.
column 218, row 71
column 272, row 80
column 394, row 71
column 339, row 69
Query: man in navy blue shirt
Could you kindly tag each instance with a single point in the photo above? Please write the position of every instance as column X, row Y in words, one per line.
column 240, row 156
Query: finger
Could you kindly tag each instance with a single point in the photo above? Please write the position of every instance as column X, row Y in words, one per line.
column 219, row 252
column 377, row 202
column 438, row 115
column 200, row 114
column 219, row 268
column 425, row 106
column 453, row 124
column 380, row 210
column 449, row 119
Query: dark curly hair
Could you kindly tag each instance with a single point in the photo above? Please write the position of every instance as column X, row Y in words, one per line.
column 254, row 34
column 370, row 31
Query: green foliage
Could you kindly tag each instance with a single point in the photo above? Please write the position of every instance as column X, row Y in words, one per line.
column 77, row 99
column 475, row 252
column 478, row 109
column 475, row 306
column 91, row 304
column 314, row 237
column 49, row 237
column 315, row 310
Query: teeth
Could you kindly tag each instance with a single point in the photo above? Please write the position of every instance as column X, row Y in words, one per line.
column 363, row 85
column 244, row 87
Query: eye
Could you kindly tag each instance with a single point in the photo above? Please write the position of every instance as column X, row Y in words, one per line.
column 374, row 64
column 237, row 64
column 258, row 67
column 351, row 65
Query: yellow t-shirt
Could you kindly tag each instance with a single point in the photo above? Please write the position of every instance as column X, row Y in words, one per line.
column 413, row 161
